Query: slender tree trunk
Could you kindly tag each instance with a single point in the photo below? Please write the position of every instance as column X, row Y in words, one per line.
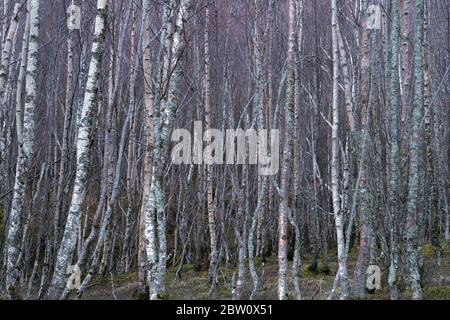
column 415, row 151
column 289, row 126
column 163, row 119
column 335, row 165
column 430, row 151
column 69, row 239
column 26, row 150
column 211, row 208
column 394, row 150
column 65, row 139
column 148, row 161
column 405, row 72
column 7, row 51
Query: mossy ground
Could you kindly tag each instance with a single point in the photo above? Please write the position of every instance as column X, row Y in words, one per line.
column 315, row 285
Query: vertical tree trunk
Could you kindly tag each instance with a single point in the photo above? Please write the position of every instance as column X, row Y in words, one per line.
column 163, row 120
column 405, row 73
column 335, row 164
column 260, row 120
column 415, row 151
column 65, row 139
column 365, row 197
column 430, row 151
column 211, row 209
column 148, row 133
column 289, row 126
column 393, row 112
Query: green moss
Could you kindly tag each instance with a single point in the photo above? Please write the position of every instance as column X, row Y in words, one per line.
column 259, row 261
column 429, row 250
column 307, row 271
column 21, row 180
column 124, row 278
column 142, row 296
column 353, row 254
column 185, row 268
column 324, row 269
column 224, row 292
column 437, row 293
column 164, row 296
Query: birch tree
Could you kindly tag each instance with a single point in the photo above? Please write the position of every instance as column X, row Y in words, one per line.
column 209, row 168
column 415, row 151
column 394, row 151
column 289, row 109
column 155, row 220
column 89, row 181
column 26, row 149
column 69, row 238
column 335, row 164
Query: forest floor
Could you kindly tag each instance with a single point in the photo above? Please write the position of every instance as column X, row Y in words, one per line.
column 192, row 285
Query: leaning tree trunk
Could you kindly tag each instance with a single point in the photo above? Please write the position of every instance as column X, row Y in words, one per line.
column 5, row 68
column 65, row 138
column 25, row 148
column 7, row 51
column 69, row 239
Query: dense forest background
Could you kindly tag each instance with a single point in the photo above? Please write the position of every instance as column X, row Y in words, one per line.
column 92, row 207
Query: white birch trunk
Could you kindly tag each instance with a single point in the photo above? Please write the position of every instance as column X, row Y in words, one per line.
column 25, row 151
column 7, row 50
column 415, row 150
column 69, row 239
column 335, row 165
column 209, row 170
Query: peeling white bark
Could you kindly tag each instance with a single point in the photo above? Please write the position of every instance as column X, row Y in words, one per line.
column 26, row 148
column 69, row 239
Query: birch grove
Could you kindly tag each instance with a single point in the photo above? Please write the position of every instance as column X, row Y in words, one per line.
column 245, row 150
column 25, row 150
column 69, row 239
